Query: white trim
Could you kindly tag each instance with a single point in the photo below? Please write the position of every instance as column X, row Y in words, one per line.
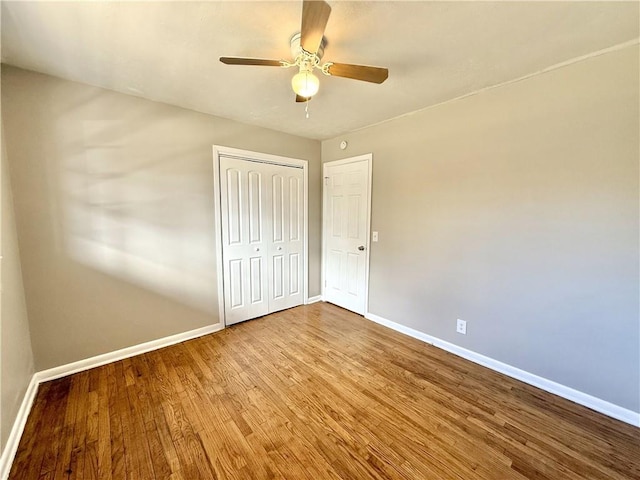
column 218, row 233
column 305, row 200
column 11, row 447
column 317, row 298
column 99, row 360
column 263, row 157
column 368, row 157
column 400, row 328
column 594, row 403
column 219, row 150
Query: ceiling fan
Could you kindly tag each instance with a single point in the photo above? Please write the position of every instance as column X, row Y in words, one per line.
column 307, row 49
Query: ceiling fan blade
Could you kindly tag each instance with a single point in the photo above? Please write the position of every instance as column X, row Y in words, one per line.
column 358, row 72
column 315, row 15
column 300, row 99
column 250, row 61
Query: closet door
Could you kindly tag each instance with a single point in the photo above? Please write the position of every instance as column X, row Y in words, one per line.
column 262, row 208
column 286, row 246
column 244, row 245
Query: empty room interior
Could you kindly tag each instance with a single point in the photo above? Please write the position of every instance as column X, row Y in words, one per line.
column 320, row 240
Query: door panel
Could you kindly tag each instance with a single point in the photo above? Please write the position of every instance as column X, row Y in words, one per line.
column 352, row 276
column 295, row 274
column 295, row 204
column 233, row 210
column 235, row 283
column 353, row 220
column 277, row 200
column 255, row 207
column 336, row 215
column 286, row 197
column 244, row 252
column 278, row 277
column 346, row 227
column 333, row 270
column 255, row 278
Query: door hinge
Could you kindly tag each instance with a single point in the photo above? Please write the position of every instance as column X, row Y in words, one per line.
column 326, row 180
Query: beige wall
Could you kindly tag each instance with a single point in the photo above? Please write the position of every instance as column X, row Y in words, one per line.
column 517, row 210
column 115, row 212
column 16, row 359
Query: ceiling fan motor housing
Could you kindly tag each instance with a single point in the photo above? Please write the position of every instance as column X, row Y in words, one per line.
column 296, row 48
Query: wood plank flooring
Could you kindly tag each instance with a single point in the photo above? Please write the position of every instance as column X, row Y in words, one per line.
column 315, row 393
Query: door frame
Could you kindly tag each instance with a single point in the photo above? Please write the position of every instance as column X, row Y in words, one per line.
column 369, row 158
column 259, row 157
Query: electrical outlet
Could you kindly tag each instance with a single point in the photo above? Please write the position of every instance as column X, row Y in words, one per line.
column 461, row 327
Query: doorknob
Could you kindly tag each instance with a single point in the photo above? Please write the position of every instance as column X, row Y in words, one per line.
column 257, row 249
column 279, row 248
column 361, row 247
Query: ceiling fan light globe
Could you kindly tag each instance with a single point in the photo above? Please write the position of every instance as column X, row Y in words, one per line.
column 305, row 84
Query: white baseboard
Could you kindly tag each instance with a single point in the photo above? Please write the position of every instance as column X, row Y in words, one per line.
column 98, row 360
column 317, row 298
column 11, row 447
column 594, row 403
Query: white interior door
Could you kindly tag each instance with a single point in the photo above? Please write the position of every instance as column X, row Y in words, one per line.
column 262, row 222
column 347, row 200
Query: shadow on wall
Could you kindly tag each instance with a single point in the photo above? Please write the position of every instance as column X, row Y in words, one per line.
column 134, row 211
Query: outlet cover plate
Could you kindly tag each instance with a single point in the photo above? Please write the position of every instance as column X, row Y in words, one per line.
column 461, row 327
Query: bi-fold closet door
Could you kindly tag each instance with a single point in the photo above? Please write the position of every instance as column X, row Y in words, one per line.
column 262, row 213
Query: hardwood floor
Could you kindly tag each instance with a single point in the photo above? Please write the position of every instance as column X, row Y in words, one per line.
column 314, row 393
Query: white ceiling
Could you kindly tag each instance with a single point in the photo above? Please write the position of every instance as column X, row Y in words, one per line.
column 435, row 51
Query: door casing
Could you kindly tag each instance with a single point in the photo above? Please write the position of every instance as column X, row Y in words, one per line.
column 219, row 150
column 369, row 158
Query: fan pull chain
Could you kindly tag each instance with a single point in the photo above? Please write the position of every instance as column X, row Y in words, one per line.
column 306, row 108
